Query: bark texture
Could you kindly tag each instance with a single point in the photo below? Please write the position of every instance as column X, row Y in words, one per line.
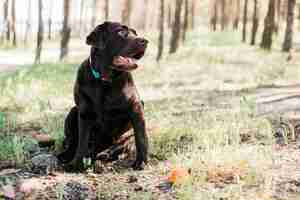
column 186, row 19
column 288, row 38
column 255, row 22
column 66, row 31
column 175, row 37
column 40, row 34
column 161, row 30
column 245, row 17
column 269, row 27
column 13, row 22
column 236, row 20
column 214, row 16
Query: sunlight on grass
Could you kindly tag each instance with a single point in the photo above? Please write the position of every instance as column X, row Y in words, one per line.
column 194, row 106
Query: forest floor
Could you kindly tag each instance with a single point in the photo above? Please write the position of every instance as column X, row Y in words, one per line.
column 212, row 112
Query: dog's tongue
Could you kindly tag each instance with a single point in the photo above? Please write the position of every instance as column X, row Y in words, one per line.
column 124, row 61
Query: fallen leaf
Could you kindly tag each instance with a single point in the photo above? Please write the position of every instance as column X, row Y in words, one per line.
column 178, row 174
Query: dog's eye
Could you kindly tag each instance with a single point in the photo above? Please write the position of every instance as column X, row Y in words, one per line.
column 123, row 33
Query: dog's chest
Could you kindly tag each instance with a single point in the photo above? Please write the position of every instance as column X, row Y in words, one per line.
column 109, row 99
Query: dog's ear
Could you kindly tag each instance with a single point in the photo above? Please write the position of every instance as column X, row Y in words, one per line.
column 97, row 38
column 133, row 31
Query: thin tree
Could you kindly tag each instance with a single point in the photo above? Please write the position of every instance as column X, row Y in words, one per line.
column 269, row 27
column 126, row 12
column 161, row 30
column 144, row 19
column 245, row 17
column 40, row 33
column 66, row 30
column 283, row 12
column 288, row 38
column 13, row 22
column 28, row 23
column 175, row 37
column 223, row 14
column 81, row 16
column 106, row 10
column 6, row 20
column 255, row 22
column 193, row 14
column 186, row 19
column 214, row 16
column 94, row 15
column 236, row 20
column 50, row 20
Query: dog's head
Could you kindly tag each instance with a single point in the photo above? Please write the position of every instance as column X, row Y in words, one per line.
column 120, row 42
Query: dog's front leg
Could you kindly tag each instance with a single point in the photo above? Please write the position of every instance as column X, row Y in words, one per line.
column 85, row 123
column 141, row 139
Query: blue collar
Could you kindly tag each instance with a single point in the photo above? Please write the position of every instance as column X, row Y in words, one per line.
column 96, row 74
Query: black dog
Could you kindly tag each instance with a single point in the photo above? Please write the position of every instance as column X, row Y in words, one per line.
column 107, row 101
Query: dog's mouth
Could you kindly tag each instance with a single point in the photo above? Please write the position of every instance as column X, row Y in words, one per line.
column 128, row 62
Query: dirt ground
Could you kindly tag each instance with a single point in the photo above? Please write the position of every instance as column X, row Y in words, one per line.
column 271, row 101
column 279, row 103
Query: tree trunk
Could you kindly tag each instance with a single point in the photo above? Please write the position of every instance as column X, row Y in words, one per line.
column 174, row 44
column 13, row 20
column 237, row 15
column 144, row 19
column 214, row 17
column 245, row 17
column 106, row 10
column 193, row 14
column 255, row 22
column 40, row 33
column 94, row 16
column 186, row 19
column 223, row 14
column 50, row 20
column 66, row 30
column 6, row 21
column 28, row 23
column 126, row 12
column 161, row 30
column 81, row 16
column 269, row 26
column 288, row 39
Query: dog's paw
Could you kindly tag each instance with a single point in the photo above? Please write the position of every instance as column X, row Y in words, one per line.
column 139, row 165
column 62, row 158
column 75, row 166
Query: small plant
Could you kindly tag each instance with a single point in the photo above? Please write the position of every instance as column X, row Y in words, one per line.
column 14, row 148
column 2, row 121
column 60, row 191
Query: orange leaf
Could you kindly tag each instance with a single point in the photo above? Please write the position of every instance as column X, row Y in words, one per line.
column 178, row 174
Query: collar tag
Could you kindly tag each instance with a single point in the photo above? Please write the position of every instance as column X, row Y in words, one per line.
column 95, row 73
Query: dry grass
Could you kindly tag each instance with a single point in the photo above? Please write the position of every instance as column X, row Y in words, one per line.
column 196, row 103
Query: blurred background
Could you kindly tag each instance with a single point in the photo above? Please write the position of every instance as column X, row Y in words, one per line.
column 58, row 23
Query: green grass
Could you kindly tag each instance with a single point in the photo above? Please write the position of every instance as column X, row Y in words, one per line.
column 193, row 98
column 14, row 148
